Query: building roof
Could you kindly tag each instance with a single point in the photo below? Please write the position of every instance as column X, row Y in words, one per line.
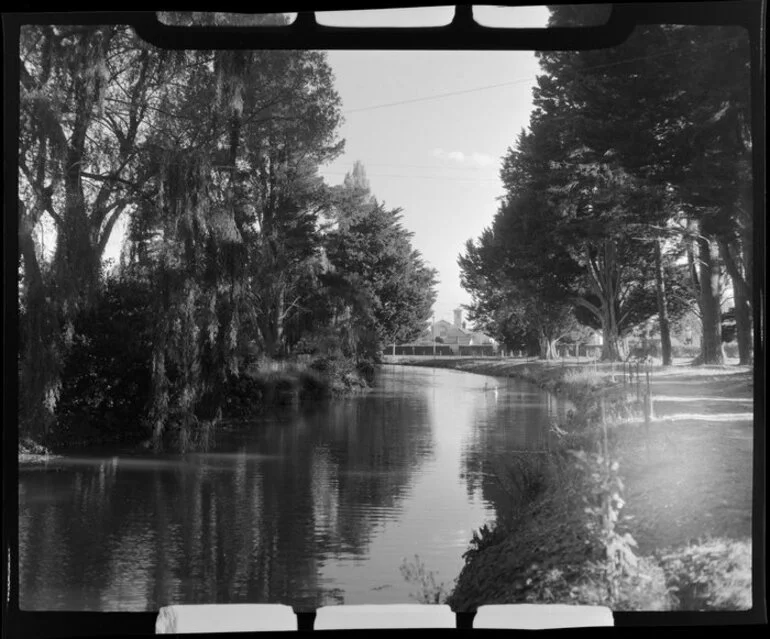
column 451, row 334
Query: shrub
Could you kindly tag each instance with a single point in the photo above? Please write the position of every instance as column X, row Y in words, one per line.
column 643, row 588
column 29, row 447
column 559, row 550
column 282, row 383
column 106, row 377
column 429, row 592
column 244, row 395
column 711, row 575
column 366, row 370
column 313, row 385
column 343, row 373
column 274, row 383
column 187, row 434
column 583, row 377
column 525, row 477
column 485, row 537
column 327, row 365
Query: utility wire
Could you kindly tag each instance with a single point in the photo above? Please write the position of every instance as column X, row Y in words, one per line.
column 420, row 177
column 488, row 167
column 439, row 96
column 453, row 178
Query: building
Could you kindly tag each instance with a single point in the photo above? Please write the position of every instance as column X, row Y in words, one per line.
column 451, row 334
column 450, row 339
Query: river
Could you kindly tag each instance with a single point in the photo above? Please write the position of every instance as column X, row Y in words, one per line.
column 311, row 506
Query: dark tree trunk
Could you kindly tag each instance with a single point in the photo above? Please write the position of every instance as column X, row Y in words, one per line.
column 736, row 263
column 76, row 260
column 271, row 327
column 268, row 337
column 38, row 365
column 665, row 332
column 742, row 297
column 547, row 347
column 711, row 347
column 604, row 283
column 742, row 325
column 611, row 349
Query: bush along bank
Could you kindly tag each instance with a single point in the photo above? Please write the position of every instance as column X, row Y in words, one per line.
column 267, row 385
column 273, row 384
column 101, row 419
column 31, row 452
column 566, row 540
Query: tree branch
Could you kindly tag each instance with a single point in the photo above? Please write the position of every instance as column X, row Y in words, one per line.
column 595, row 310
column 595, row 278
column 111, row 177
column 43, row 195
column 27, row 248
column 104, row 237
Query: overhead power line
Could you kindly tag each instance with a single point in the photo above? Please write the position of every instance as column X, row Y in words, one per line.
column 436, row 166
column 439, row 96
column 453, row 178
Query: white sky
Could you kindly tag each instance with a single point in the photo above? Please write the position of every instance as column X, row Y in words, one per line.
column 437, row 159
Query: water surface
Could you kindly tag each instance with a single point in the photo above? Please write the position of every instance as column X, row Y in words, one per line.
column 307, row 507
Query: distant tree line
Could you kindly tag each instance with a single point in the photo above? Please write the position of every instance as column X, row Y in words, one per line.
column 629, row 196
column 235, row 248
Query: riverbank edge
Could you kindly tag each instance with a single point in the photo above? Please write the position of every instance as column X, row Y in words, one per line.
column 523, row 561
column 262, row 389
column 31, row 453
column 295, row 384
column 584, row 389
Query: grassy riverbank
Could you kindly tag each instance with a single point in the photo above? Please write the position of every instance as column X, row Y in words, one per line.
column 679, row 487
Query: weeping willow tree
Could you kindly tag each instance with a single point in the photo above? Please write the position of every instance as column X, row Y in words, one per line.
column 197, row 318
column 62, row 82
column 106, row 131
column 232, row 232
column 198, row 257
column 84, row 97
column 213, row 159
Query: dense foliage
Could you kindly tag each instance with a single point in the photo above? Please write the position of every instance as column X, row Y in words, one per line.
column 628, row 197
column 235, row 252
column 106, row 378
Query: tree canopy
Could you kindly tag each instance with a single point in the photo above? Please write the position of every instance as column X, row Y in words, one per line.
column 234, row 242
column 636, row 159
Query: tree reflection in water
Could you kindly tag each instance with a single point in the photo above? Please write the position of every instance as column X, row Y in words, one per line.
column 514, row 419
column 251, row 521
column 305, row 506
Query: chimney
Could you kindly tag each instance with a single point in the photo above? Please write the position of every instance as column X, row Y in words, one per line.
column 458, row 318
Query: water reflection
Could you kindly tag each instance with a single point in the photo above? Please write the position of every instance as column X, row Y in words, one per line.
column 305, row 507
column 509, row 417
